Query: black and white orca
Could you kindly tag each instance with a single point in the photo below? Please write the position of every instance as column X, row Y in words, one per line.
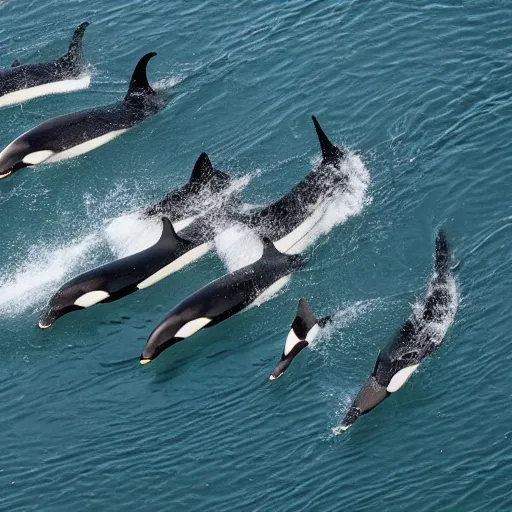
column 185, row 203
column 223, row 298
column 289, row 219
column 120, row 278
column 23, row 82
column 74, row 134
column 418, row 338
column 305, row 328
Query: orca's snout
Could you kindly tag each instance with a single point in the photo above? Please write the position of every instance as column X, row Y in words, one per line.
column 281, row 367
column 144, row 360
column 371, row 394
column 7, row 171
column 48, row 318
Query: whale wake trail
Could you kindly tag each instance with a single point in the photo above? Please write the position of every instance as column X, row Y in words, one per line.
column 32, row 282
column 28, row 285
column 239, row 246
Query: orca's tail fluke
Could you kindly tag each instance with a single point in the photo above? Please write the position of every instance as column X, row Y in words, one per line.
column 442, row 264
column 139, row 82
column 331, row 154
column 75, row 53
column 204, row 173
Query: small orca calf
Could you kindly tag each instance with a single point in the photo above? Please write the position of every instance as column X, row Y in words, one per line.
column 74, row 134
column 21, row 83
column 418, row 338
column 120, row 278
column 222, row 299
column 184, row 202
column 290, row 218
column 305, row 328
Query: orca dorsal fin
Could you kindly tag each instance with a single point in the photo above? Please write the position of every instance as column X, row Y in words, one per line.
column 269, row 249
column 75, row 53
column 330, row 152
column 442, row 253
column 15, row 64
column 169, row 235
column 294, row 261
column 304, row 320
column 139, row 82
column 203, row 170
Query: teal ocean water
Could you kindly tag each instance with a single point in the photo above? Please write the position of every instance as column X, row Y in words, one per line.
column 420, row 94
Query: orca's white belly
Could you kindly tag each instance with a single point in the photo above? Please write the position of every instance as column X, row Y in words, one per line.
column 23, row 95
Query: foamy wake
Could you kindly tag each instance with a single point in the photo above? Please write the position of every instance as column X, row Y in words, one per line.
column 47, row 266
column 39, row 274
column 34, row 277
column 436, row 329
column 239, row 246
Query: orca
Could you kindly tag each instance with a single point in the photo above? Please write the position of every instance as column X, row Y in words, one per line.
column 289, row 219
column 305, row 328
column 120, row 278
column 186, row 201
column 421, row 334
column 223, row 298
column 74, row 134
column 23, row 82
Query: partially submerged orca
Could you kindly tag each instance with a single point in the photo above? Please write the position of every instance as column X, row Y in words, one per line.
column 222, row 299
column 290, row 218
column 120, row 278
column 184, row 202
column 418, row 338
column 305, row 327
column 23, row 82
column 74, row 134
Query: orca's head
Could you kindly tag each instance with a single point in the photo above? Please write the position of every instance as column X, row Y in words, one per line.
column 371, row 394
column 58, row 306
column 160, row 339
column 71, row 296
column 287, row 358
column 18, row 155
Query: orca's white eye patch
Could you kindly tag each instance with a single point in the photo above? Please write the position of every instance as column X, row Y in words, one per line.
column 91, row 298
column 37, row 157
column 400, row 378
column 192, row 327
column 312, row 333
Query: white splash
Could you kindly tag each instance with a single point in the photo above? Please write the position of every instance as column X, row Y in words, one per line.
column 40, row 273
column 131, row 233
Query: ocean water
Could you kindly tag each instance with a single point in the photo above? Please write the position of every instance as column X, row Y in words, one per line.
column 420, row 94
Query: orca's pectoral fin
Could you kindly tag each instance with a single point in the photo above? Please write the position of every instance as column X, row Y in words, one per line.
column 330, row 152
column 75, row 53
column 169, row 235
column 15, row 64
column 139, row 82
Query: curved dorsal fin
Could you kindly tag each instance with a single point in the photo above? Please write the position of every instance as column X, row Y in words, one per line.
column 203, row 170
column 330, row 152
column 139, row 82
column 75, row 53
column 15, row 64
column 169, row 234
